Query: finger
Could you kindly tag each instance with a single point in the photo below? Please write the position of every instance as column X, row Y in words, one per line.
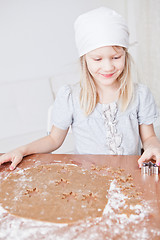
column 145, row 156
column 5, row 158
column 156, row 157
column 15, row 162
column 158, row 161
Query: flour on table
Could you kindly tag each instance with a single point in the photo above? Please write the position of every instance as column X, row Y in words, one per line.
column 55, row 193
column 121, row 212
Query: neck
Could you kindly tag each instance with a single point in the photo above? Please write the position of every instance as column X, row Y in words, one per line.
column 108, row 94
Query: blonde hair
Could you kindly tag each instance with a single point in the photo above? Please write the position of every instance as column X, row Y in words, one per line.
column 88, row 94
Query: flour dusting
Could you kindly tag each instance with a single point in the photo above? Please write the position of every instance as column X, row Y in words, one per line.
column 114, row 223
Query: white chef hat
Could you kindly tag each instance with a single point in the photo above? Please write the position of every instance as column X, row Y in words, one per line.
column 98, row 28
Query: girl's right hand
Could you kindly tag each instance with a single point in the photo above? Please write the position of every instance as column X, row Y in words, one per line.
column 14, row 157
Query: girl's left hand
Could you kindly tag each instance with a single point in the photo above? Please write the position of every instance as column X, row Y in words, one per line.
column 150, row 153
column 151, row 144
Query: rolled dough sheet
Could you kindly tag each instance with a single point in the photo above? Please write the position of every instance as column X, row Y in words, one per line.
column 56, row 193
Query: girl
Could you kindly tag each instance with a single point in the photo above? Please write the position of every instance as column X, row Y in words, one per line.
column 107, row 112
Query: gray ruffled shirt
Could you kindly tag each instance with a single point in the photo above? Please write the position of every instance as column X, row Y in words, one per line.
column 106, row 130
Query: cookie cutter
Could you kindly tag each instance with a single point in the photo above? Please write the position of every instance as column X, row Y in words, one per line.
column 149, row 168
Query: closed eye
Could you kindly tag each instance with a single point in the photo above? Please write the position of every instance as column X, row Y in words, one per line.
column 97, row 59
column 116, row 57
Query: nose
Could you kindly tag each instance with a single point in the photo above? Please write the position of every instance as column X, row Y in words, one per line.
column 107, row 65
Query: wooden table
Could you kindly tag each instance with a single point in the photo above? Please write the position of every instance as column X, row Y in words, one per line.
column 12, row 227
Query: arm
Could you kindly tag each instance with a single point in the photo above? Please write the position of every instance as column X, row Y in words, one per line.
column 151, row 144
column 42, row 145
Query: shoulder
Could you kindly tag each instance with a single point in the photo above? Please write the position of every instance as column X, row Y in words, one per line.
column 68, row 90
column 65, row 90
column 142, row 93
column 140, row 88
column 68, row 96
column 142, row 98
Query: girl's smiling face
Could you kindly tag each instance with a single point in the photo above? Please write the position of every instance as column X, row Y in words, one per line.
column 105, row 64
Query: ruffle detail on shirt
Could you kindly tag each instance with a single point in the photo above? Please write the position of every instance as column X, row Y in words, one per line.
column 113, row 138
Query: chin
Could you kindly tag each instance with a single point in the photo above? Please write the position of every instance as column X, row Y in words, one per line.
column 108, row 82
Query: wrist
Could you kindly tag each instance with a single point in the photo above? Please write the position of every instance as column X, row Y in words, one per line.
column 23, row 150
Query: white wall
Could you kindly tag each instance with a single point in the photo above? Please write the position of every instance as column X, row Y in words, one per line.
column 37, row 49
column 37, row 56
column 37, row 36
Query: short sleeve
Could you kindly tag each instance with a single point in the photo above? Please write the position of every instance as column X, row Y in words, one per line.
column 147, row 112
column 62, row 113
